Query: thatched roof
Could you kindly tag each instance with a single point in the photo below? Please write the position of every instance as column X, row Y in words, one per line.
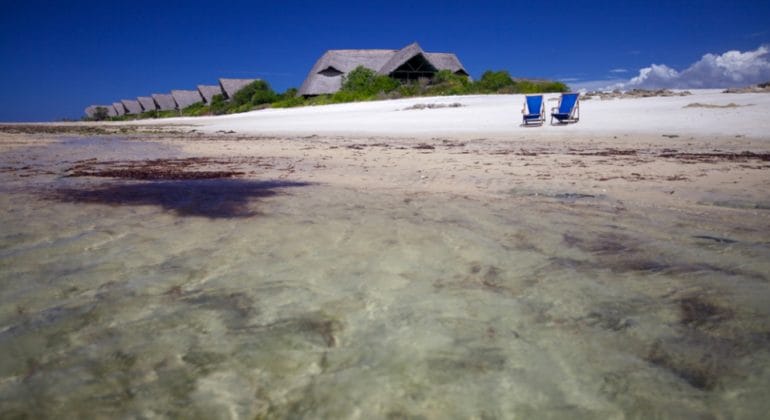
column 164, row 101
column 185, row 98
column 400, row 57
column 91, row 110
column 446, row 61
column 231, row 86
column 208, row 92
column 326, row 75
column 119, row 108
column 132, row 106
column 147, row 103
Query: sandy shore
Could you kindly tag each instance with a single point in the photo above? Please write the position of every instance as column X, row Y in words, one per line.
column 656, row 151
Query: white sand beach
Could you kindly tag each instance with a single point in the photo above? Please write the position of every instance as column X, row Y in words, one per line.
column 498, row 116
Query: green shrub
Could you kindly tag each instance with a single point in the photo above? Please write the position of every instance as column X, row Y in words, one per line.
column 494, row 81
column 289, row 94
column 447, row 83
column 169, row 113
column 363, row 83
column 289, row 99
column 410, row 89
column 218, row 105
column 255, row 93
column 196, row 110
column 290, row 102
column 527, row 86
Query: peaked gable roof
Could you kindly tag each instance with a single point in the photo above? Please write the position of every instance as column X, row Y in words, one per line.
column 208, row 92
column 132, row 106
column 446, row 61
column 164, row 101
column 185, row 98
column 119, row 109
column 147, row 103
column 399, row 58
column 322, row 81
column 231, row 86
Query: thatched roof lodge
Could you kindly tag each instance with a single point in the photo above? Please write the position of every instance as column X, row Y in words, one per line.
column 91, row 110
column 231, row 86
column 408, row 63
column 208, row 92
column 132, row 106
column 185, row 98
column 164, row 101
column 147, row 103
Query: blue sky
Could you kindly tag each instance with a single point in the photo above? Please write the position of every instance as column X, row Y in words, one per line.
column 59, row 57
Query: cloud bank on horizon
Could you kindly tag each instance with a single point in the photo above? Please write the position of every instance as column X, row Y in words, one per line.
column 731, row 69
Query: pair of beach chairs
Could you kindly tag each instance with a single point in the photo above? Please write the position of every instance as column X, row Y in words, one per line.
column 568, row 110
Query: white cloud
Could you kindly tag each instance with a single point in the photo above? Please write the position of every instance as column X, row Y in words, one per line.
column 733, row 68
column 618, row 71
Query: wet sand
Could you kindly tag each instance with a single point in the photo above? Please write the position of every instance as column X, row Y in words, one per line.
column 175, row 273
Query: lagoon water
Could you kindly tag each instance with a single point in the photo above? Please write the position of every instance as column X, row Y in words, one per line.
column 264, row 298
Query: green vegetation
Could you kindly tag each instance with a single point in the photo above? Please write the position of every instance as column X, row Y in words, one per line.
column 361, row 84
column 195, row 110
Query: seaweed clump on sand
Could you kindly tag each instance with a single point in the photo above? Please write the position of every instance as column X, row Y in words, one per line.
column 708, row 347
column 157, row 169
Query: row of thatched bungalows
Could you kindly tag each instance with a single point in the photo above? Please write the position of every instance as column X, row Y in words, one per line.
column 176, row 100
column 408, row 64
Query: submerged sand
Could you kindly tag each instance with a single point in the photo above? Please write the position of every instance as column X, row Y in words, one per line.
column 366, row 261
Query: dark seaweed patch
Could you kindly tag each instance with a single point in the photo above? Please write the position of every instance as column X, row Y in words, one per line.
column 695, row 364
column 716, row 239
column 649, row 266
column 602, row 244
column 697, row 312
column 156, row 169
column 489, row 278
column 208, row 198
column 157, row 174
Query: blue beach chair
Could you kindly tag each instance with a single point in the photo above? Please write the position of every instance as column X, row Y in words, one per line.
column 568, row 110
column 534, row 110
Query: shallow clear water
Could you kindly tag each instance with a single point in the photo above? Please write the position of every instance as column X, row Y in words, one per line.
column 217, row 299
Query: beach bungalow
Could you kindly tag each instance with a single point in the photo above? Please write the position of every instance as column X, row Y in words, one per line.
column 119, row 108
column 132, row 106
column 185, row 98
column 408, row 63
column 231, row 86
column 147, row 103
column 164, row 101
column 208, row 91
